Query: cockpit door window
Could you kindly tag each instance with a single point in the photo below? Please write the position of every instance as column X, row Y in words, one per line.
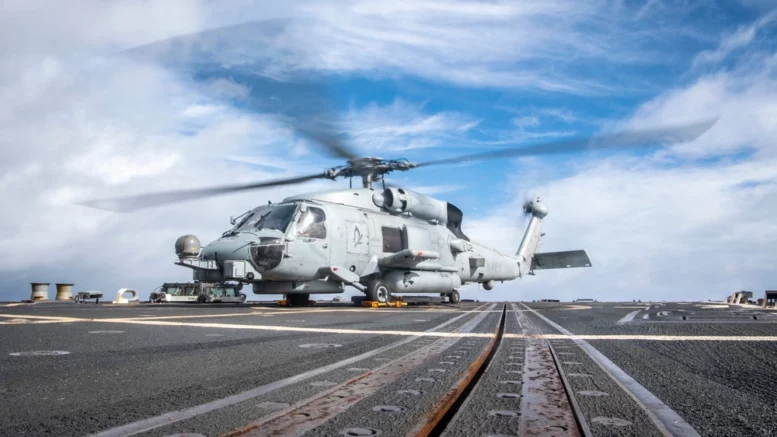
column 312, row 223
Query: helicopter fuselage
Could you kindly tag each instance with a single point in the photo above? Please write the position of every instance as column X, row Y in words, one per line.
column 321, row 242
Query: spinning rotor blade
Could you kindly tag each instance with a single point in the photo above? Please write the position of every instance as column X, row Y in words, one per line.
column 269, row 58
column 132, row 203
column 325, row 137
column 621, row 140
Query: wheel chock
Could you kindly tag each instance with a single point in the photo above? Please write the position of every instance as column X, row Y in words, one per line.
column 373, row 304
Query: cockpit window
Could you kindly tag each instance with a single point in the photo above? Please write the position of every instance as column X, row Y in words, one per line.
column 275, row 217
column 311, row 223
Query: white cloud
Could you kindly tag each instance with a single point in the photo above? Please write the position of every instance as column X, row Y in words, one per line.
column 402, row 126
column 526, row 121
column 743, row 97
column 652, row 232
column 692, row 222
column 84, row 126
column 493, row 44
column 77, row 123
column 734, row 41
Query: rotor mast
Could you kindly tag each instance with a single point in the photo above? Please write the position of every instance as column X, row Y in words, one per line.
column 367, row 181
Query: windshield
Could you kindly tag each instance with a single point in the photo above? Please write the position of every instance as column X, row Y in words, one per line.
column 275, row 217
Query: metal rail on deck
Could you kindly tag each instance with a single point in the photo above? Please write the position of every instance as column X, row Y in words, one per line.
column 331, row 402
column 584, row 429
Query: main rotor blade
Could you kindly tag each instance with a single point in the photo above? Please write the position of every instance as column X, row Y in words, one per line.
column 268, row 57
column 132, row 203
column 325, row 137
column 622, row 140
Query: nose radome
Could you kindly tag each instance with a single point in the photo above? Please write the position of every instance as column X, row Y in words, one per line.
column 187, row 246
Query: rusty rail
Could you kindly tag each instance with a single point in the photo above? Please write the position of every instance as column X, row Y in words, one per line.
column 322, row 407
column 314, row 411
column 434, row 423
column 585, row 430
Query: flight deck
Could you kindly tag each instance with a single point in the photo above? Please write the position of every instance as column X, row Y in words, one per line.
column 470, row 369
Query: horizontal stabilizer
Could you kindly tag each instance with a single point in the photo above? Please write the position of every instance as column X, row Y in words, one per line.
column 560, row 260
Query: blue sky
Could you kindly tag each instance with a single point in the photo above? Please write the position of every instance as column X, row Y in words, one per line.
column 141, row 97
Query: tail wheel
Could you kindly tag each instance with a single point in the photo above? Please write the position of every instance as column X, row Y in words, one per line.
column 379, row 291
column 454, row 297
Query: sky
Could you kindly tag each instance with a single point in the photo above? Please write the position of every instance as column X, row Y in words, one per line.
column 109, row 98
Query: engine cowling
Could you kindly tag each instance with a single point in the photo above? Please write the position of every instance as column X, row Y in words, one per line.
column 399, row 201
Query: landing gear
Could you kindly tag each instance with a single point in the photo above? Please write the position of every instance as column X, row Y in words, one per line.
column 379, row 291
column 453, row 296
column 298, row 299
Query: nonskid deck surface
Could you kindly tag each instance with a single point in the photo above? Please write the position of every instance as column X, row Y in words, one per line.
column 473, row 369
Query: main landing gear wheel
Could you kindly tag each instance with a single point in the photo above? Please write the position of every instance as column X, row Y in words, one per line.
column 453, row 297
column 298, row 299
column 379, row 291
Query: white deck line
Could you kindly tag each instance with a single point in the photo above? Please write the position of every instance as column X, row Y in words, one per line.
column 176, row 416
column 627, row 318
column 661, row 414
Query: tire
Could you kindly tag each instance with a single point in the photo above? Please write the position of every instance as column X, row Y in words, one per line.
column 298, row 299
column 202, row 298
column 454, row 297
column 379, row 291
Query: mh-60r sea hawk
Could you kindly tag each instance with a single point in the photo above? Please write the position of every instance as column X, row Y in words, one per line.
column 380, row 241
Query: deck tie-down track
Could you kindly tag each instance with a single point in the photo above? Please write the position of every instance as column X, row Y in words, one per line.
column 534, row 393
column 454, row 370
column 495, row 369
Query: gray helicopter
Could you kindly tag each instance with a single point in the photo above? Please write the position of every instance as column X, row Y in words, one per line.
column 380, row 240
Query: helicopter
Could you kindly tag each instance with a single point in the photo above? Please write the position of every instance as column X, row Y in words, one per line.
column 382, row 240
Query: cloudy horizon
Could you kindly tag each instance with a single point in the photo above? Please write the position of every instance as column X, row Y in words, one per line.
column 103, row 99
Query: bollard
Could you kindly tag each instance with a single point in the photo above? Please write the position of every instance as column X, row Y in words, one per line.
column 40, row 291
column 64, row 292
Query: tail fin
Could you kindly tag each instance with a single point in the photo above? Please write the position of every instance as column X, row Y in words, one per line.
column 531, row 239
column 528, row 258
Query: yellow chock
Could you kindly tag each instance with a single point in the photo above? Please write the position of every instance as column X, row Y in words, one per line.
column 283, row 303
column 373, row 304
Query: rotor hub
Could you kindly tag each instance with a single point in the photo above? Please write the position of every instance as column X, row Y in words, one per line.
column 370, row 169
